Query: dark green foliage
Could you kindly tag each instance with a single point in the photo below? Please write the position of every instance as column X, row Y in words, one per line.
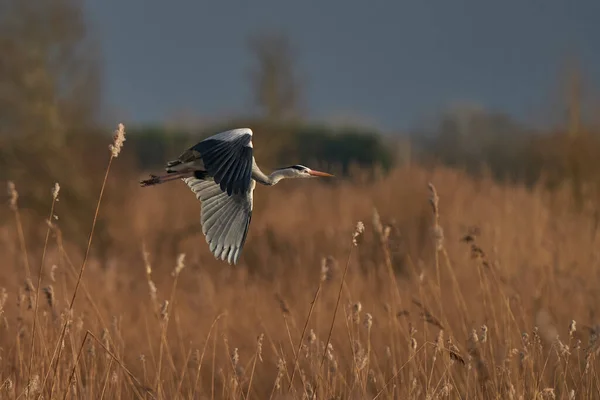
column 342, row 147
column 154, row 145
column 276, row 145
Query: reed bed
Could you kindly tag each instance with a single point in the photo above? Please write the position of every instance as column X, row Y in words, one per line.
column 423, row 284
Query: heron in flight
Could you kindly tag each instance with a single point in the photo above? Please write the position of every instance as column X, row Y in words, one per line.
column 222, row 173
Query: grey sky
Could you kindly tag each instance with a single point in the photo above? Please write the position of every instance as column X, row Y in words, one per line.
column 390, row 62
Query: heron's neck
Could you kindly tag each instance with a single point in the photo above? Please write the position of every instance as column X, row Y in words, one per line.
column 273, row 178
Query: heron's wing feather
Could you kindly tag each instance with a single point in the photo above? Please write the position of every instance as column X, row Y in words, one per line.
column 225, row 218
column 228, row 158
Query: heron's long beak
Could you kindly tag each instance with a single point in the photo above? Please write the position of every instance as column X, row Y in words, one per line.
column 319, row 173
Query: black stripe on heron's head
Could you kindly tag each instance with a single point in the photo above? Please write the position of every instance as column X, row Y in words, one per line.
column 298, row 167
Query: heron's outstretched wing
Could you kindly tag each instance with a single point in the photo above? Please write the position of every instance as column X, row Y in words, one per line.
column 227, row 157
column 225, row 218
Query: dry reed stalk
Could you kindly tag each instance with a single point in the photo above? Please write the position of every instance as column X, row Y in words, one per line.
column 55, row 191
column 257, row 355
column 165, row 315
column 14, row 206
column 214, row 354
column 115, row 149
column 360, row 228
column 214, row 323
column 113, row 358
column 438, row 235
column 310, row 311
column 399, row 371
column 183, row 372
column 396, row 298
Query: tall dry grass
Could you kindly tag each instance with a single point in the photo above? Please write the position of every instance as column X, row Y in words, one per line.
column 458, row 289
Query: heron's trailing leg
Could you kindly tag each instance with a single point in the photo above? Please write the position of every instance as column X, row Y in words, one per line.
column 156, row 180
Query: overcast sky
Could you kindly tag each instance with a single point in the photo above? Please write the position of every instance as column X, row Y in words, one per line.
column 389, row 63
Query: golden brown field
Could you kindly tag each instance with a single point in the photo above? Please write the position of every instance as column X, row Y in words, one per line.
column 466, row 289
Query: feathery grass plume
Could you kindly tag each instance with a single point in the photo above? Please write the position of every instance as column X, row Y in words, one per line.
column 281, row 369
column 119, row 138
column 377, row 225
column 511, row 354
column 180, row 265
column 356, row 308
column 92, row 349
column 439, row 342
column 480, row 364
column 164, row 311
column 49, row 292
column 13, row 195
column 412, row 343
column 484, row 334
column 8, row 384
column 33, row 387
column 105, row 338
column 151, row 286
column 438, row 232
column 360, row 356
column 79, row 323
column 3, row 298
column 548, row 393
column 446, row 390
column 30, row 290
column 53, row 273
column 454, row 352
column 55, row 191
column 368, row 321
column 561, row 348
column 572, row 328
column 325, row 269
column 312, row 337
column 235, row 362
column 358, row 231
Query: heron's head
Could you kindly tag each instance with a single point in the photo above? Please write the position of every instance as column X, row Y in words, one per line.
column 300, row 171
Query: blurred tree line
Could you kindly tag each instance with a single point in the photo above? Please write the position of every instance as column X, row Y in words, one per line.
column 482, row 141
column 51, row 99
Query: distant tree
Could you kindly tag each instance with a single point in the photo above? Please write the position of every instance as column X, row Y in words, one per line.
column 49, row 70
column 474, row 138
column 50, row 79
column 275, row 82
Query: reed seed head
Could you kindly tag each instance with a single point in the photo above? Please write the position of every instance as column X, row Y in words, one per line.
column 358, row 231
column 55, row 191
column 53, row 273
column 312, row 337
column 235, row 357
column 164, row 311
column 281, row 370
column 259, row 346
column 118, row 139
column 572, row 328
column 49, row 292
column 368, row 321
column 433, row 199
column 3, row 298
column 13, row 195
column 356, row 308
column 484, row 334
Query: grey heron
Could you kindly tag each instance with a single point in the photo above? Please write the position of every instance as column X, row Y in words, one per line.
column 222, row 173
